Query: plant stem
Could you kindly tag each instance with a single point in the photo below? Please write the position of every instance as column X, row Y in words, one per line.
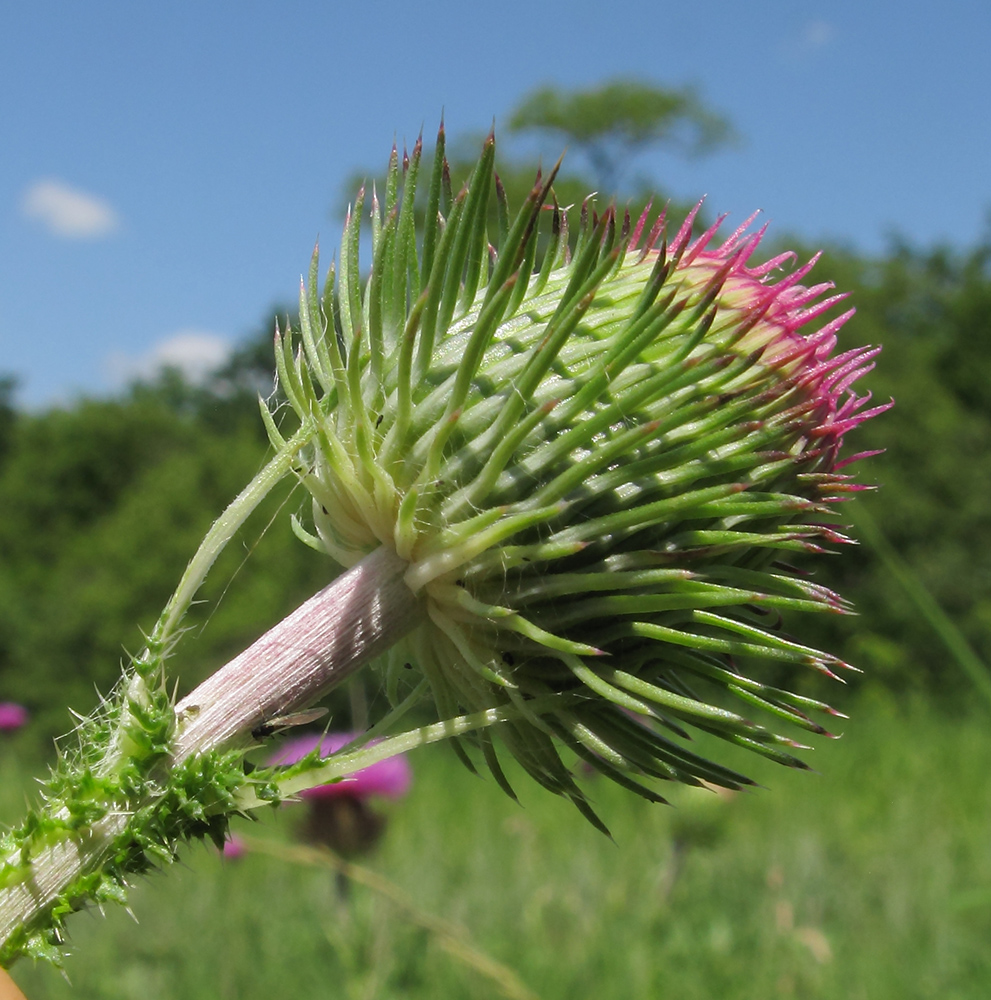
column 348, row 623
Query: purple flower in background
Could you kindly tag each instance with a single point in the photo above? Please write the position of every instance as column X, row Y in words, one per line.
column 234, row 848
column 339, row 816
column 12, row 716
column 388, row 779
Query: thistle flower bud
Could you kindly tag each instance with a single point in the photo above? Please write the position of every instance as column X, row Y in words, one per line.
column 562, row 474
column 590, row 467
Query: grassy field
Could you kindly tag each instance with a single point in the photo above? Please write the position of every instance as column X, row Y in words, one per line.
column 870, row 879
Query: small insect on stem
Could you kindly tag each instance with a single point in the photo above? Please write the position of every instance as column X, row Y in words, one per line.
column 275, row 725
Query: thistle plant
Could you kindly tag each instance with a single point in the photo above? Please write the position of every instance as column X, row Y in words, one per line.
column 565, row 472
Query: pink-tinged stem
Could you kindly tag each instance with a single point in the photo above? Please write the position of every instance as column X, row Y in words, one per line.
column 351, row 621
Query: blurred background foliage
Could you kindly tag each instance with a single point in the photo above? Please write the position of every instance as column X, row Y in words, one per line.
column 871, row 881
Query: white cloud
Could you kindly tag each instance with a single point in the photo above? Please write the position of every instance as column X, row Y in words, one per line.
column 812, row 37
column 196, row 353
column 67, row 212
column 816, row 34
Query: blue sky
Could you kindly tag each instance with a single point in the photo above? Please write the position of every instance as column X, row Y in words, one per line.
column 166, row 168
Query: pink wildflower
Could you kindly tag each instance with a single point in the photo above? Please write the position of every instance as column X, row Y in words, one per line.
column 12, row 716
column 234, row 848
column 339, row 815
column 388, row 779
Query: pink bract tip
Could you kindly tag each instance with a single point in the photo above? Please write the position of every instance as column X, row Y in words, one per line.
column 774, row 313
column 12, row 716
column 389, row 779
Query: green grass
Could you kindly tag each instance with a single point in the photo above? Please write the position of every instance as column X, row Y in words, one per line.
column 871, row 879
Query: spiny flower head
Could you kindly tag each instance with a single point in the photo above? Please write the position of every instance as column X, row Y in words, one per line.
column 591, row 453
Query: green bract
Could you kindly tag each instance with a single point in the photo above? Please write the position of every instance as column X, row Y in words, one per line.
column 590, row 466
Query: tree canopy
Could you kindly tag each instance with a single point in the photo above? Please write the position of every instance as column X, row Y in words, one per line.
column 612, row 122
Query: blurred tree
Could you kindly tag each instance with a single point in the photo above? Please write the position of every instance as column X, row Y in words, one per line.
column 8, row 386
column 614, row 121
